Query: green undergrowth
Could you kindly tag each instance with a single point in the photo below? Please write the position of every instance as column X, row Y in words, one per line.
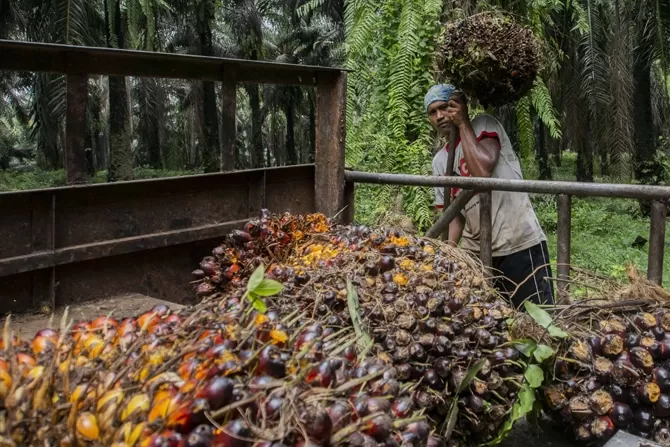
column 19, row 181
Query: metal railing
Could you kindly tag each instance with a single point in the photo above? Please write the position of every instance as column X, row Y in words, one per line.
column 659, row 195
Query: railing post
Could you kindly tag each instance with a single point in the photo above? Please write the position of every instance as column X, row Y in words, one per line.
column 74, row 157
column 656, row 242
column 563, row 235
column 331, row 100
column 485, row 228
column 228, row 118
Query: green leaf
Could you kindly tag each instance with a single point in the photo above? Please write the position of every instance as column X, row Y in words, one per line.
column 256, row 278
column 472, row 372
column 268, row 287
column 526, row 347
column 543, row 352
column 525, row 403
column 522, row 407
column 557, row 332
column 451, row 418
column 540, row 315
column 352, row 301
column 257, row 303
column 534, row 376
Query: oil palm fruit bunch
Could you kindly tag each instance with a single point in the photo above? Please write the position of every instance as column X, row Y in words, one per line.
column 616, row 377
column 268, row 237
column 216, row 374
column 490, row 57
column 426, row 307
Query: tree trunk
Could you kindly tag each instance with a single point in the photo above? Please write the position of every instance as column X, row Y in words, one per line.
column 542, row 156
column 604, row 162
column 290, row 131
column 149, row 126
column 642, row 111
column 256, row 148
column 212, row 152
column 120, row 150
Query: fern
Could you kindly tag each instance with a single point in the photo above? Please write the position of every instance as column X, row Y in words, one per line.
column 525, row 126
column 401, row 68
column 543, row 105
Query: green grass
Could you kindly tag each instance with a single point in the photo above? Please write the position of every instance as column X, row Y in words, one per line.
column 17, row 181
column 603, row 229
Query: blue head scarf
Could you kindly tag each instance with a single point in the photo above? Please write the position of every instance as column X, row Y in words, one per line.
column 439, row 92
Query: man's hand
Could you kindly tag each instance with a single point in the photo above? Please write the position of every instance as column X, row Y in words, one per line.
column 457, row 112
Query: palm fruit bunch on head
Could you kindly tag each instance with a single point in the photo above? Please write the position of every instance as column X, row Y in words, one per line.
column 426, row 308
column 614, row 374
column 490, row 57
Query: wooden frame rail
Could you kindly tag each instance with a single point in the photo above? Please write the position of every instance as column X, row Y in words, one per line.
column 79, row 62
column 659, row 195
column 87, row 241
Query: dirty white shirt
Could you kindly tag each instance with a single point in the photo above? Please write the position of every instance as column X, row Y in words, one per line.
column 515, row 225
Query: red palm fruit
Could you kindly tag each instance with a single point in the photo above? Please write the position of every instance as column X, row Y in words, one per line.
column 322, row 375
column 218, row 392
column 603, row 427
column 45, row 340
column 235, row 433
column 317, row 423
column 340, row 415
column 622, row 415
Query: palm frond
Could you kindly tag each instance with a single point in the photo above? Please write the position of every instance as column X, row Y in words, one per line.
column 401, row 68
column 540, row 98
column 526, row 129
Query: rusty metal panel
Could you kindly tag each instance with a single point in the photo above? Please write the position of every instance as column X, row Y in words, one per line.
column 291, row 191
column 76, row 243
column 163, row 273
column 24, row 223
column 132, row 209
column 16, row 293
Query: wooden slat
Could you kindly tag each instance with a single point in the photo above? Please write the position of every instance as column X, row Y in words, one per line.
column 42, row 57
column 656, row 242
column 485, row 228
column 330, row 135
column 563, row 246
column 88, row 252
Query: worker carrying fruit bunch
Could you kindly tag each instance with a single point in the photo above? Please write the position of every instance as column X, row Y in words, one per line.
column 519, row 246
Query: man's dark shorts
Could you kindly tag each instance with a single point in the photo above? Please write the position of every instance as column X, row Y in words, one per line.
column 530, row 266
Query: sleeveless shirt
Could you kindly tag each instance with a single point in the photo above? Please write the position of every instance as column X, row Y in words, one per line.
column 515, row 225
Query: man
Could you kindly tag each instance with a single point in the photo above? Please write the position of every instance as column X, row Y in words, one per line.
column 483, row 149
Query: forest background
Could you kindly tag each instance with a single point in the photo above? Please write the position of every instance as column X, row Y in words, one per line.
column 598, row 112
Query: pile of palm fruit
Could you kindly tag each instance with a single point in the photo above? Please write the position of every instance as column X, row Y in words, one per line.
column 614, row 372
column 307, row 334
column 490, row 57
column 420, row 306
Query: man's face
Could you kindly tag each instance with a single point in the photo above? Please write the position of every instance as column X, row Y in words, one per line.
column 437, row 114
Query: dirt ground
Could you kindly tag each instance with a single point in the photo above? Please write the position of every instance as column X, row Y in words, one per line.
column 118, row 307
